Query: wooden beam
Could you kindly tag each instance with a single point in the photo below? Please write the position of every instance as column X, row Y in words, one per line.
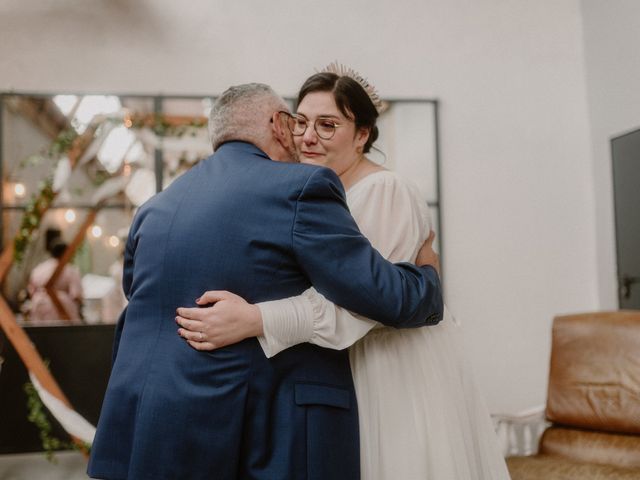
column 32, row 359
column 59, row 306
column 16, row 335
column 64, row 260
column 28, row 352
column 79, row 146
column 43, row 113
column 6, row 260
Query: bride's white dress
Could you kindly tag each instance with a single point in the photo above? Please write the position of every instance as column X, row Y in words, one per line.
column 421, row 415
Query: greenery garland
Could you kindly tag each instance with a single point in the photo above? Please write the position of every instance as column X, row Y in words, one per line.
column 159, row 125
column 40, row 202
column 34, row 210
column 39, row 417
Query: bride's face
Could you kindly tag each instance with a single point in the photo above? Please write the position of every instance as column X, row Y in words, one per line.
column 339, row 152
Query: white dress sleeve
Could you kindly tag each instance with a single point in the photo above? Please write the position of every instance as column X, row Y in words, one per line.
column 391, row 213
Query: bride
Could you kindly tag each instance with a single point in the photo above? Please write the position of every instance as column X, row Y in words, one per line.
column 421, row 416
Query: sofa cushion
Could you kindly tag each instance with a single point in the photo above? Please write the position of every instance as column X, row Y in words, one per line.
column 551, row 467
column 593, row 447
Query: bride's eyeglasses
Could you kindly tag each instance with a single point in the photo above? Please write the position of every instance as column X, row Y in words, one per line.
column 324, row 127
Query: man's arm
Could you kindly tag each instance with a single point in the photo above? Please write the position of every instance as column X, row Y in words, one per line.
column 397, row 223
column 391, row 213
column 343, row 266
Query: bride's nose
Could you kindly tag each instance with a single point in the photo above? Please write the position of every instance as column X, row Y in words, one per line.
column 310, row 137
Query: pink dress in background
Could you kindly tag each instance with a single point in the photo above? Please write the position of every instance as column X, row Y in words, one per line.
column 68, row 286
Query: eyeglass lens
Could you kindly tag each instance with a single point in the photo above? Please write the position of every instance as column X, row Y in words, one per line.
column 324, row 127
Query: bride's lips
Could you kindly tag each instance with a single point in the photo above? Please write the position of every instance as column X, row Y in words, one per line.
column 311, row 154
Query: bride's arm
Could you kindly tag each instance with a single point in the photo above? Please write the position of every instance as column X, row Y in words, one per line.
column 394, row 218
column 310, row 318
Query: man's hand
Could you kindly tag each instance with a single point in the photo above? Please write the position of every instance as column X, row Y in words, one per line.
column 426, row 254
column 230, row 320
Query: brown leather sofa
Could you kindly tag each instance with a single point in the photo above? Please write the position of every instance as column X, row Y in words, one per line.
column 593, row 401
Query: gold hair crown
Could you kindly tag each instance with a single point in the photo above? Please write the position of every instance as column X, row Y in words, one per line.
column 344, row 71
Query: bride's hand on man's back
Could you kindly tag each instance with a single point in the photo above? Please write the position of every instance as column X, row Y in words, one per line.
column 427, row 255
column 230, row 319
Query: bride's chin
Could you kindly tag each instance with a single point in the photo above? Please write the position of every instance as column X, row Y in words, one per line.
column 310, row 161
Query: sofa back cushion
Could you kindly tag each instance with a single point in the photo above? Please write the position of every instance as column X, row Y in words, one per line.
column 594, row 377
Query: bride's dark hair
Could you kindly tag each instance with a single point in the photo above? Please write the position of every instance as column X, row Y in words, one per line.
column 351, row 99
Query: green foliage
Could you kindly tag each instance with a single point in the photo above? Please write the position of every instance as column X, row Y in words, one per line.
column 62, row 143
column 163, row 128
column 41, row 201
column 39, row 417
column 37, row 205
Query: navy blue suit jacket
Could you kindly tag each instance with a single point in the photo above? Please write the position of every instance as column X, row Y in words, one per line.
column 265, row 230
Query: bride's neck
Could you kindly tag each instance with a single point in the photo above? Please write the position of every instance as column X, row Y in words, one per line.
column 360, row 169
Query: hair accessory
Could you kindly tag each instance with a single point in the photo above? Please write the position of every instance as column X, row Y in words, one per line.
column 344, row 71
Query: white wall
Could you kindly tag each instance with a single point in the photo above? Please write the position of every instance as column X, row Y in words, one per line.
column 517, row 180
column 613, row 79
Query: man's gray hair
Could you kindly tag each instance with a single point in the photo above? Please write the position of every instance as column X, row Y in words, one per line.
column 243, row 113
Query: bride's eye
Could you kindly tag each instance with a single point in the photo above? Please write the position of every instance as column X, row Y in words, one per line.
column 325, row 125
column 298, row 125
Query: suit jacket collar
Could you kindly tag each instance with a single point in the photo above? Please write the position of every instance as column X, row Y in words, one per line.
column 239, row 146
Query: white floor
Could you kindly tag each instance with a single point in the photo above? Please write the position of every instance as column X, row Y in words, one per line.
column 35, row 466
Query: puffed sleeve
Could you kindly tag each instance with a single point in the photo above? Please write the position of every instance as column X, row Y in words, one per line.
column 391, row 214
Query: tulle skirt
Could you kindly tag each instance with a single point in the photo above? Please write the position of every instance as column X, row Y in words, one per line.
column 421, row 414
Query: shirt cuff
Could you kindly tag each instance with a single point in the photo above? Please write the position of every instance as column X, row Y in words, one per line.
column 286, row 323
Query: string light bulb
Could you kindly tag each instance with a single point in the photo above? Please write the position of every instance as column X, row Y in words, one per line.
column 96, row 231
column 19, row 189
column 70, row 215
column 114, row 241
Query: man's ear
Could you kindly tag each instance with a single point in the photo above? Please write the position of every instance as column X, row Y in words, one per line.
column 282, row 134
column 280, row 130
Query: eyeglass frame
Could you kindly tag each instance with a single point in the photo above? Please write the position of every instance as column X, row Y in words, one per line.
column 294, row 116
